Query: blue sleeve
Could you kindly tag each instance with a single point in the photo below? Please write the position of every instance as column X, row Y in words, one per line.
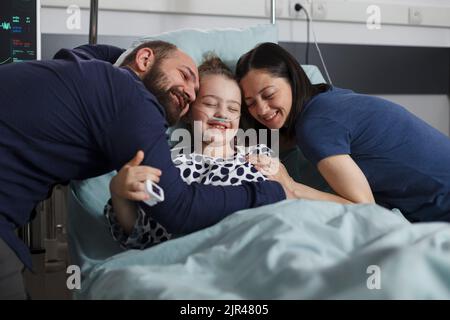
column 186, row 208
column 320, row 137
column 92, row 51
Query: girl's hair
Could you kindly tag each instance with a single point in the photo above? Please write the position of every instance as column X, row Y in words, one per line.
column 213, row 65
column 279, row 63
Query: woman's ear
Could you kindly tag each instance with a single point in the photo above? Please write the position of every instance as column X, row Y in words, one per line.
column 144, row 60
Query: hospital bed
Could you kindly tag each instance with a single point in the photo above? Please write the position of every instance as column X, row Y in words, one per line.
column 295, row 249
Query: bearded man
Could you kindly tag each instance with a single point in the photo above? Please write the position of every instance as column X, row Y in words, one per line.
column 79, row 116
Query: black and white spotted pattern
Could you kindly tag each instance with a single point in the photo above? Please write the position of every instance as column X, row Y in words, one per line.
column 193, row 168
column 146, row 230
column 219, row 171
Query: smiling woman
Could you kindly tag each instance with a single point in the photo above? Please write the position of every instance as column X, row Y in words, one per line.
column 268, row 100
column 362, row 145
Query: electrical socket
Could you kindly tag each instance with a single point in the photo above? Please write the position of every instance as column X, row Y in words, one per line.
column 299, row 14
column 415, row 15
column 319, row 10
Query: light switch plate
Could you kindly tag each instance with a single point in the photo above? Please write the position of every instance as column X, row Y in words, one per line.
column 319, row 10
column 415, row 15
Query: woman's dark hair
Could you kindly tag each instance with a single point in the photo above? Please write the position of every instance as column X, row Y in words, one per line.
column 279, row 63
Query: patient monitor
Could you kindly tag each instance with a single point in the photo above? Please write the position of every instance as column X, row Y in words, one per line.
column 19, row 31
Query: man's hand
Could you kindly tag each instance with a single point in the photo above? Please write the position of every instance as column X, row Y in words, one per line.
column 129, row 183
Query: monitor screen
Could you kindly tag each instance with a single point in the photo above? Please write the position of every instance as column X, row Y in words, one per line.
column 19, row 30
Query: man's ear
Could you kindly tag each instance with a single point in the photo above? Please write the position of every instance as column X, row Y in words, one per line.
column 144, row 60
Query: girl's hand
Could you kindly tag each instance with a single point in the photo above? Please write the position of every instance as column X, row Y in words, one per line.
column 129, row 183
column 272, row 168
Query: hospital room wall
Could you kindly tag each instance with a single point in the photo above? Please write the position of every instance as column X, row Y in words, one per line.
column 433, row 108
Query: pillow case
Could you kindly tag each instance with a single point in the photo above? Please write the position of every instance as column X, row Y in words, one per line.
column 227, row 43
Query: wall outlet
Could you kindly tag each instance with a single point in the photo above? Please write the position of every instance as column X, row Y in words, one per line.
column 297, row 8
column 319, row 10
column 415, row 15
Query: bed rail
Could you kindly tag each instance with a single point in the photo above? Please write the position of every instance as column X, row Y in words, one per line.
column 93, row 22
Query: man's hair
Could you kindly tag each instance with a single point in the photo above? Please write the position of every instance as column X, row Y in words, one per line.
column 161, row 50
column 213, row 65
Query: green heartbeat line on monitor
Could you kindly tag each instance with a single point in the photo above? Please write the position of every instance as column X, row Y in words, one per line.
column 5, row 25
column 5, row 61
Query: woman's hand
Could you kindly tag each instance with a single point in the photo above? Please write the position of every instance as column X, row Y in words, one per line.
column 129, row 183
column 272, row 168
column 346, row 178
column 275, row 170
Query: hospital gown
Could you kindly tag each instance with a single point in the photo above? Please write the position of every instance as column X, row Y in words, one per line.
column 193, row 168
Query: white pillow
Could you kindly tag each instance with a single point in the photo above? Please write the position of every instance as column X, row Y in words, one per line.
column 229, row 44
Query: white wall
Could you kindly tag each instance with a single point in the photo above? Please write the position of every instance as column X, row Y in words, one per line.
column 338, row 27
column 432, row 108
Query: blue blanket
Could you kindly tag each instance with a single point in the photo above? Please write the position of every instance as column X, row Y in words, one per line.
column 295, row 249
column 290, row 250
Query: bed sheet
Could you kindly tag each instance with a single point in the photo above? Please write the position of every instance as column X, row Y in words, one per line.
column 295, row 249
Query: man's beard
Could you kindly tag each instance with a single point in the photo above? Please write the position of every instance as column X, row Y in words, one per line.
column 157, row 83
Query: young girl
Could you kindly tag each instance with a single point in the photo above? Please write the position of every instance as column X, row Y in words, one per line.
column 218, row 109
column 368, row 149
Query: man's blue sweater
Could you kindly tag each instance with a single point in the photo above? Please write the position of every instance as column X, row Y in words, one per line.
column 78, row 116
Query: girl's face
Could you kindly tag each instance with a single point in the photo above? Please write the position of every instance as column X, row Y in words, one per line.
column 218, row 97
column 268, row 98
